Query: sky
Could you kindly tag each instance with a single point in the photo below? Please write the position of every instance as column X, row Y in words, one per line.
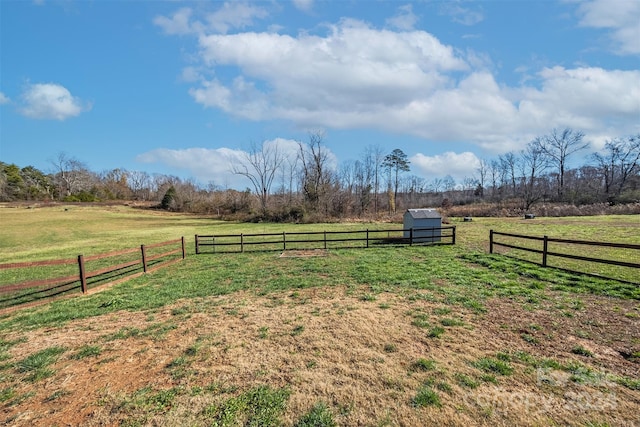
column 187, row 88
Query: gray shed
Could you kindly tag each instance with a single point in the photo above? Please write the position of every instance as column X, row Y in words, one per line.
column 423, row 222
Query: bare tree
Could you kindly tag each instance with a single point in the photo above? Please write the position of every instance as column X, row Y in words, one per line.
column 494, row 168
column 437, row 185
column 140, row 183
column 531, row 167
column 483, row 170
column 557, row 147
column 372, row 161
column 316, row 174
column 508, row 166
column 363, row 185
column 260, row 165
column 71, row 176
column 620, row 160
column 115, row 184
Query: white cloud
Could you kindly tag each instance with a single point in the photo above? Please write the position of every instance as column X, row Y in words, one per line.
column 622, row 17
column 4, row 99
column 589, row 99
column 461, row 15
column 458, row 166
column 179, row 23
column 231, row 15
column 204, row 164
column 234, row 15
column 357, row 76
column 51, row 101
column 351, row 73
column 214, row 165
column 405, row 19
column 303, row 5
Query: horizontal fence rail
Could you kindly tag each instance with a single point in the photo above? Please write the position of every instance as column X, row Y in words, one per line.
column 323, row 239
column 91, row 272
column 546, row 253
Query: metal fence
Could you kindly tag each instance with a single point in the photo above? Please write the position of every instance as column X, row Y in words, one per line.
column 215, row 243
column 546, row 253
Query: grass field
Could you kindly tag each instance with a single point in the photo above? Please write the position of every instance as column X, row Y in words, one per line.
column 432, row 335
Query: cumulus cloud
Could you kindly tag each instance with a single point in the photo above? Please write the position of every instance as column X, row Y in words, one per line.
column 50, row 101
column 231, row 15
column 351, row 72
column 407, row 82
column 462, row 15
column 405, row 19
column 304, row 5
column 204, row 164
column 178, row 23
column 214, row 165
column 4, row 99
column 457, row 165
column 622, row 18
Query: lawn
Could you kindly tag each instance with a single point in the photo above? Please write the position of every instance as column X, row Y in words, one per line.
column 422, row 335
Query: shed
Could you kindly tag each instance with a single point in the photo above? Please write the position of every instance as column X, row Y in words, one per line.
column 425, row 223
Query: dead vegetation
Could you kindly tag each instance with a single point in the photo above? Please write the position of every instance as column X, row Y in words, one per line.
column 371, row 359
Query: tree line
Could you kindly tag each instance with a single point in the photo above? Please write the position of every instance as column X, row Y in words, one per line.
column 308, row 185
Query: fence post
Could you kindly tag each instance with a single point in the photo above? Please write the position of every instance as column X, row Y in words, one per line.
column 197, row 248
column 411, row 236
column 284, row 241
column 83, row 276
column 453, row 236
column 144, row 258
column 184, row 252
column 367, row 237
column 325, row 240
column 545, row 246
column 490, row 241
column 241, row 242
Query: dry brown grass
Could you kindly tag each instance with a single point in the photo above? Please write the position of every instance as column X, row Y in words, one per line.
column 332, row 345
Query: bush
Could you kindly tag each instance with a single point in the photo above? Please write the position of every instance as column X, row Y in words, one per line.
column 168, row 200
column 83, row 196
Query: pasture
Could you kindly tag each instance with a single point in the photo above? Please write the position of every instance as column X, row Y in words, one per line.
column 389, row 336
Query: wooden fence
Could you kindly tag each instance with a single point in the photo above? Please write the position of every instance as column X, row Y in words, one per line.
column 324, row 239
column 546, row 253
column 92, row 272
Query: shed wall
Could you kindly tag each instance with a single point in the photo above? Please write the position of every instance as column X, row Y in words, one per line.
column 418, row 225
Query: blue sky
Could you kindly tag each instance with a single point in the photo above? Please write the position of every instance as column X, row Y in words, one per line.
column 182, row 88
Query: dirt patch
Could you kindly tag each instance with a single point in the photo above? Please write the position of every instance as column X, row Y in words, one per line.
column 303, row 253
column 358, row 355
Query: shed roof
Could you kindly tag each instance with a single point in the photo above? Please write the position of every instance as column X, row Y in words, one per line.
column 423, row 213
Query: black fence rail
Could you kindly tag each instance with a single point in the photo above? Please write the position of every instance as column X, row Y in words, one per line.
column 546, row 253
column 309, row 240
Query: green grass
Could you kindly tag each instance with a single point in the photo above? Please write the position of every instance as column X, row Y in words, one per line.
column 318, row 416
column 426, row 396
column 399, row 269
column 36, row 365
column 423, row 365
column 435, row 332
column 260, row 407
column 493, row 366
column 466, row 381
column 449, row 278
column 582, row 351
column 451, row 322
column 87, row 351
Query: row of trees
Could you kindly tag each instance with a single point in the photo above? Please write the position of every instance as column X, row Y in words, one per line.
column 289, row 186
